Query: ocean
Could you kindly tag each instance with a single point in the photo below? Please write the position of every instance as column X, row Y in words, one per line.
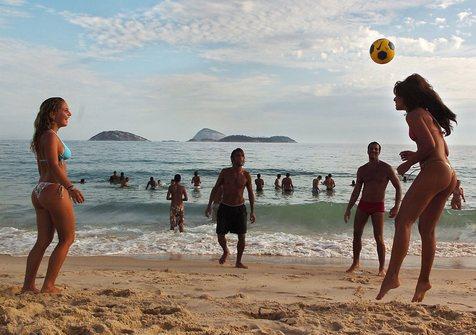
column 133, row 221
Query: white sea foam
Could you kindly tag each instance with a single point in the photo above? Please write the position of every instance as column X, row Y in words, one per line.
column 201, row 240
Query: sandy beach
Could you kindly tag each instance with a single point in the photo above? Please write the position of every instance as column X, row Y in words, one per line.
column 119, row 295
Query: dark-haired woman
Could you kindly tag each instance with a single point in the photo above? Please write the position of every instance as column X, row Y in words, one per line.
column 429, row 121
column 52, row 195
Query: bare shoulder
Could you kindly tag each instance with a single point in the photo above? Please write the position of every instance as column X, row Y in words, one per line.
column 225, row 171
column 385, row 165
column 48, row 137
column 362, row 168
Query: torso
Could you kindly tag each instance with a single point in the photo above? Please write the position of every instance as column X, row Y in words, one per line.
column 176, row 192
column 234, row 182
column 440, row 153
column 375, row 178
column 259, row 184
column 286, row 184
column 196, row 181
column 43, row 169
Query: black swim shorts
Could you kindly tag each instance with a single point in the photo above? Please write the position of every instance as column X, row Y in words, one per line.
column 231, row 219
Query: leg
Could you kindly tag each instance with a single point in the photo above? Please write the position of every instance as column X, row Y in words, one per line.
column 173, row 222
column 226, row 252
column 431, row 181
column 45, row 236
column 426, row 226
column 377, row 223
column 359, row 223
column 62, row 215
column 240, row 247
column 181, row 220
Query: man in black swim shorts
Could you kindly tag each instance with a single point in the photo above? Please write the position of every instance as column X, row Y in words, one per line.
column 232, row 215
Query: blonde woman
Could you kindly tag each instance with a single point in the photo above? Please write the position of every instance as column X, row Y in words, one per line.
column 53, row 196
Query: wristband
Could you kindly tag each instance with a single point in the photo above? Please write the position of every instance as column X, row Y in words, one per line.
column 70, row 187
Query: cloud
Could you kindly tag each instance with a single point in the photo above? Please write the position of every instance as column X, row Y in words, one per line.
column 444, row 4
column 294, row 34
column 12, row 2
column 10, row 10
column 466, row 18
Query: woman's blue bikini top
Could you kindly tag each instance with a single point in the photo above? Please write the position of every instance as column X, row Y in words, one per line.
column 66, row 151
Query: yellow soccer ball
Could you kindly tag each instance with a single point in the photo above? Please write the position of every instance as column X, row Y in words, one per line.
column 382, row 51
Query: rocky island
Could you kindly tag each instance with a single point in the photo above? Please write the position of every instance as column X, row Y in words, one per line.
column 117, row 135
column 210, row 135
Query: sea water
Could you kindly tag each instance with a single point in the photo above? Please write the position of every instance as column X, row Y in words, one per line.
column 133, row 221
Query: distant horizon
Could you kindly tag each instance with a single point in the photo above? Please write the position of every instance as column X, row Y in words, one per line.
column 302, row 68
column 297, row 142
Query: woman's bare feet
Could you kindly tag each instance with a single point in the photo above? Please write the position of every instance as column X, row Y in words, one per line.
column 33, row 290
column 224, row 257
column 50, row 290
column 420, row 291
column 353, row 267
column 388, row 283
column 241, row 266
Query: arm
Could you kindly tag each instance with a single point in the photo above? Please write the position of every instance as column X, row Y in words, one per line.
column 251, row 197
column 215, row 188
column 147, row 185
column 425, row 142
column 355, row 195
column 398, row 191
column 169, row 194
column 50, row 150
column 184, row 194
column 462, row 194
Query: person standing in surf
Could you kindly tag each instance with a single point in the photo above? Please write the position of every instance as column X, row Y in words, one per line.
column 373, row 177
column 429, row 120
column 196, row 182
column 232, row 215
column 53, row 195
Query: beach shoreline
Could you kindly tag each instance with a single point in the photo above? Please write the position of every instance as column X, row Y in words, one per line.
column 116, row 294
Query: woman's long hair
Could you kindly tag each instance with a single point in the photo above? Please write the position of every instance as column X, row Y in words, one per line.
column 44, row 120
column 417, row 92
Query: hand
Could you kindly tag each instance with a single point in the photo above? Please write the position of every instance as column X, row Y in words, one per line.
column 76, row 195
column 208, row 211
column 252, row 217
column 404, row 167
column 406, row 155
column 347, row 215
column 394, row 211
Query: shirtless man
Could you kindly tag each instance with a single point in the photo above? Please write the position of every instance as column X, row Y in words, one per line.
column 315, row 185
column 458, row 194
column 329, row 183
column 178, row 194
column 152, row 183
column 232, row 216
column 374, row 177
column 259, row 183
column 287, row 183
column 114, row 179
column 196, row 180
column 277, row 182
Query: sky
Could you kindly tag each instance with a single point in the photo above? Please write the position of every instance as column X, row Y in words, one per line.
column 165, row 69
